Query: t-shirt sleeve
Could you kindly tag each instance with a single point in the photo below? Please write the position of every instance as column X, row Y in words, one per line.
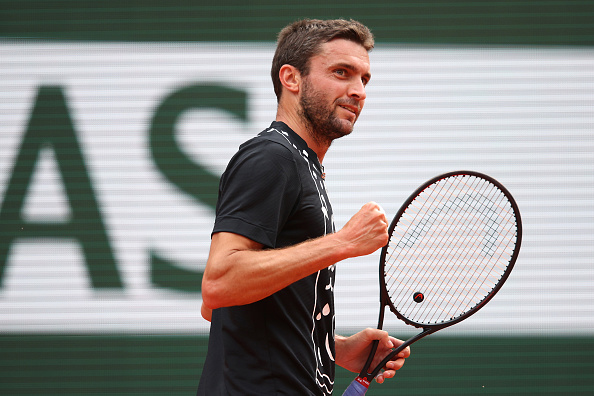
column 257, row 192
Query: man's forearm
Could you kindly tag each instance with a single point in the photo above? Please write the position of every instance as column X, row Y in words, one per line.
column 239, row 271
column 246, row 274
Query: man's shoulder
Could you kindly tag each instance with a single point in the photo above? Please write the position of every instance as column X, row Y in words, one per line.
column 273, row 141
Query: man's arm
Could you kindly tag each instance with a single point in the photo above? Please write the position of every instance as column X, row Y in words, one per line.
column 239, row 271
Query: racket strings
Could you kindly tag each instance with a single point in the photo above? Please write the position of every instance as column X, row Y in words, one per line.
column 452, row 275
column 420, row 215
column 456, row 274
column 452, row 244
column 482, row 204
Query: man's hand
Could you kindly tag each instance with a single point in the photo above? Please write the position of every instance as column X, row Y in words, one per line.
column 352, row 352
column 366, row 231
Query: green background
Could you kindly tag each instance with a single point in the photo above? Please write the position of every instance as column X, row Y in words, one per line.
column 433, row 21
column 171, row 364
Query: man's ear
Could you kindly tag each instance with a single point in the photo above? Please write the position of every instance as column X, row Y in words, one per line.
column 290, row 78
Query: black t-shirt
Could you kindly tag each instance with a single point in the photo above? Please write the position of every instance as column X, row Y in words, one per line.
column 273, row 192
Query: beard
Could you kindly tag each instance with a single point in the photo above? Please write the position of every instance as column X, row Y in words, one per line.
column 321, row 121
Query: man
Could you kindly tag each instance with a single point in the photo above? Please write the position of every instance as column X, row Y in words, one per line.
column 269, row 279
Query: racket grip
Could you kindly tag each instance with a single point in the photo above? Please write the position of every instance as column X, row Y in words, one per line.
column 358, row 387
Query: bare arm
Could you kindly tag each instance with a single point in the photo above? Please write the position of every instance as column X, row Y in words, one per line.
column 239, row 272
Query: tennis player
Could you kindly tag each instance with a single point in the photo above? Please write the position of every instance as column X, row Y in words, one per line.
column 268, row 287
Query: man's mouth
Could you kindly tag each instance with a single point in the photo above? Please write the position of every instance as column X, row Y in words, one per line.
column 352, row 109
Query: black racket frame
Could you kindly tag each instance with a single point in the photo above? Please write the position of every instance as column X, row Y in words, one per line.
column 429, row 329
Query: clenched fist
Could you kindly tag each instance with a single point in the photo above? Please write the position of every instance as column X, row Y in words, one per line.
column 366, row 231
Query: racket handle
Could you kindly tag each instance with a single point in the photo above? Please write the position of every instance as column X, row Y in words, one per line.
column 358, row 387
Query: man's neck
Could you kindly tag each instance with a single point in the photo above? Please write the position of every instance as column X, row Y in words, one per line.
column 297, row 124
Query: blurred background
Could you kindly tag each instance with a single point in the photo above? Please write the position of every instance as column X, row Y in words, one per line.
column 117, row 119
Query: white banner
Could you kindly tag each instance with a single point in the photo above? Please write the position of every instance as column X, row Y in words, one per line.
column 97, row 126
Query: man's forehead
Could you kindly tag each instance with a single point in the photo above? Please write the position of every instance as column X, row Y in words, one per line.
column 343, row 45
column 344, row 52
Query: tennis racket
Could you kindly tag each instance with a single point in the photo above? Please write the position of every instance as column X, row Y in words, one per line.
column 452, row 245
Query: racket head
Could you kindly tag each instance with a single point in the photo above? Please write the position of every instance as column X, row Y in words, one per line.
column 452, row 245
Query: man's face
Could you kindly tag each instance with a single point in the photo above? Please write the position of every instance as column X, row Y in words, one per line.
column 333, row 93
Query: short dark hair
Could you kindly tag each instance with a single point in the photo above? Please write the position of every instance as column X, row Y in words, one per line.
column 301, row 40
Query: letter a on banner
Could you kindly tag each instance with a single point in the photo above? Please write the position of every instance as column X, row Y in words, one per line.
column 50, row 127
